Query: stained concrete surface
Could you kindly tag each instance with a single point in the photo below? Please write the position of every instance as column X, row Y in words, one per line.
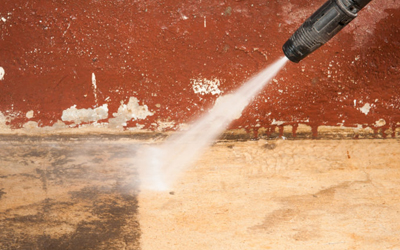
column 278, row 194
column 67, row 195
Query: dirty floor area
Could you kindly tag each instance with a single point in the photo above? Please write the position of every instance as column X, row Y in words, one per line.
column 84, row 193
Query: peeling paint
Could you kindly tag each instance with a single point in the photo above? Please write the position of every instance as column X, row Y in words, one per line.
column 184, row 17
column 2, row 73
column 164, row 125
column 127, row 112
column 59, row 125
column 206, row 86
column 138, row 127
column 94, row 85
column 380, row 123
column 85, row 115
column 3, row 121
column 31, row 125
column 278, row 123
column 365, row 109
column 29, row 114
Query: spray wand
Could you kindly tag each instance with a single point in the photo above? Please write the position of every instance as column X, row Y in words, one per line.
column 318, row 29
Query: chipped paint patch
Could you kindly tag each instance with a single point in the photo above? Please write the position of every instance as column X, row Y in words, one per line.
column 278, row 123
column 29, row 114
column 31, row 125
column 138, row 127
column 85, row 115
column 94, row 85
column 165, row 125
column 3, row 121
column 59, row 125
column 366, row 108
column 380, row 123
column 127, row 112
column 206, row 86
column 2, row 73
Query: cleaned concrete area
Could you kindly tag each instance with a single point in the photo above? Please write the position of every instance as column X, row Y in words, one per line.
column 82, row 192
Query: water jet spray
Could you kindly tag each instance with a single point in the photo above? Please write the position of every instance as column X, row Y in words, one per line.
column 321, row 26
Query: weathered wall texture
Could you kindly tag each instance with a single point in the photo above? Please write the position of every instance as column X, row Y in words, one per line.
column 155, row 65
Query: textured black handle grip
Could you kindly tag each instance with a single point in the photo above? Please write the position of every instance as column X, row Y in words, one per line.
column 318, row 29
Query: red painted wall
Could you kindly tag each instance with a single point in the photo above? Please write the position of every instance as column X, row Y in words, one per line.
column 152, row 50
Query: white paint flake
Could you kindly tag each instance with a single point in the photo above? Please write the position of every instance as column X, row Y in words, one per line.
column 29, row 114
column 365, row 109
column 127, row 112
column 2, row 120
column 65, row 32
column 85, row 115
column 31, row 125
column 380, row 123
column 278, row 123
column 2, row 73
column 3, row 19
column 206, row 86
column 94, row 85
column 3, row 123
column 164, row 125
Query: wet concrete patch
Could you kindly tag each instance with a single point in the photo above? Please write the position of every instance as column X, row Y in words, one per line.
column 68, row 196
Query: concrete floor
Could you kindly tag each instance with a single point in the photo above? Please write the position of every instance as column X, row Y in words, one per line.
column 84, row 193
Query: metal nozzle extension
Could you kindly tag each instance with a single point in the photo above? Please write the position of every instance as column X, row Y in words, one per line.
column 318, row 29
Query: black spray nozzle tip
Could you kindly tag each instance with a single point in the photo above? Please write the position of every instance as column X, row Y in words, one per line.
column 290, row 51
column 320, row 27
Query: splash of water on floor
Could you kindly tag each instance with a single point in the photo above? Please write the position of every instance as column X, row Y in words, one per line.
column 159, row 166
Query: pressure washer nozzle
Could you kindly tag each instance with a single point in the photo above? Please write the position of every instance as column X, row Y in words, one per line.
column 320, row 27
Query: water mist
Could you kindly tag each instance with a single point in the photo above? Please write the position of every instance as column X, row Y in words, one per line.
column 160, row 165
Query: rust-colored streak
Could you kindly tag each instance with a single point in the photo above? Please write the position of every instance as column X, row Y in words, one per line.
column 152, row 49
